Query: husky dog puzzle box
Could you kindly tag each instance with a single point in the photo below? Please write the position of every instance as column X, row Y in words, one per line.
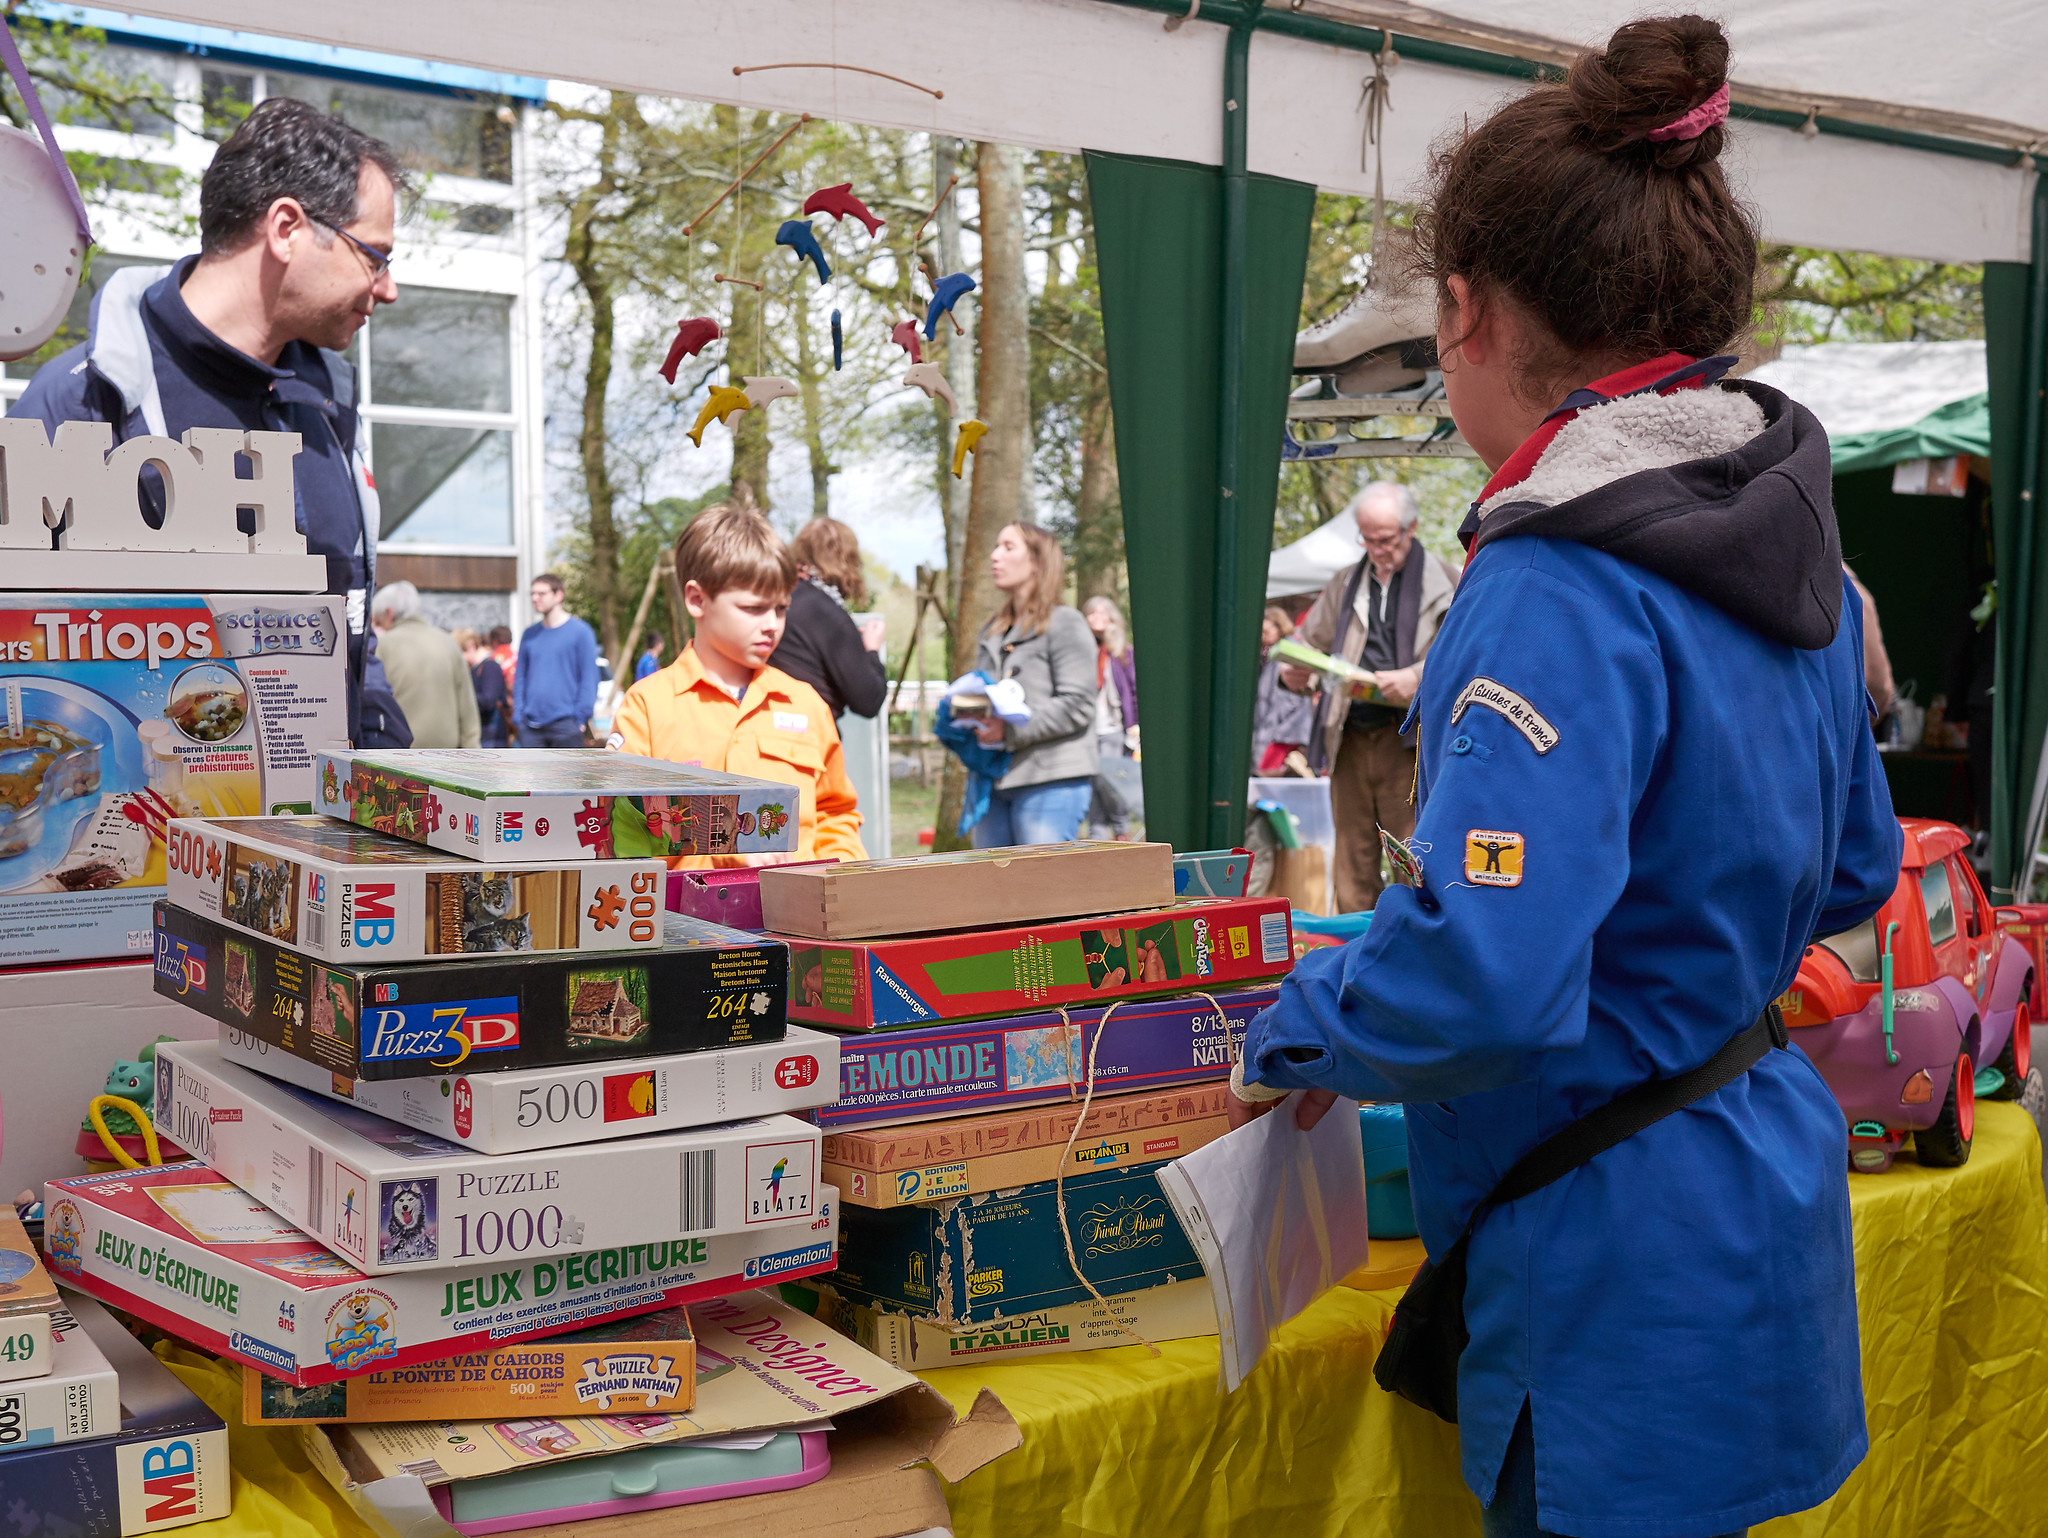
column 705, row 987
column 880, row 984
column 195, row 1255
column 121, row 711
column 343, row 893
column 498, row 804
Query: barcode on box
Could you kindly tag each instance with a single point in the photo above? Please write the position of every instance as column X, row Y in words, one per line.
column 699, row 1205
column 316, row 929
column 427, row 1469
column 1272, row 938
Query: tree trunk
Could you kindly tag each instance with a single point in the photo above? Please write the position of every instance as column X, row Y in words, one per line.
column 745, row 349
column 584, row 251
column 959, row 361
column 1098, row 515
column 808, row 367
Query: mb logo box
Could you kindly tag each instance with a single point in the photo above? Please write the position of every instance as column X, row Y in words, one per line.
column 71, row 511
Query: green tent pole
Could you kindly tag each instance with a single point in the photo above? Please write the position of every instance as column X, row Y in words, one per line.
column 2015, row 810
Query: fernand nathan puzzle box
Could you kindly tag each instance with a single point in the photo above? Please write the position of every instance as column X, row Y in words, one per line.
column 195, row 1255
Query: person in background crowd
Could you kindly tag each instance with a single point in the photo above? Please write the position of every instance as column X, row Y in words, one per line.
column 1047, row 647
column 821, row 645
column 296, row 215
column 493, row 699
column 555, row 688
column 650, row 658
column 380, row 720
column 1282, row 721
column 1383, row 614
column 1116, row 714
column 426, row 670
column 504, row 653
column 1877, row 663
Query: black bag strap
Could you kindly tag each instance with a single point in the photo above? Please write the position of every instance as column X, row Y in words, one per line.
column 1631, row 1111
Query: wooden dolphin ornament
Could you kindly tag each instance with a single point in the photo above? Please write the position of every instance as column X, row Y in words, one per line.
column 724, row 401
column 931, row 379
column 904, row 335
column 969, row 442
column 763, row 388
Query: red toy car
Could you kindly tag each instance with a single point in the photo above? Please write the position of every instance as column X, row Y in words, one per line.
column 1898, row 1012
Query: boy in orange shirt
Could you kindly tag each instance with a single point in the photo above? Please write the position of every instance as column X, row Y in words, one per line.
column 720, row 705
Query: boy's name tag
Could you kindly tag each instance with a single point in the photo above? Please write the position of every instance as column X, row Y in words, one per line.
column 792, row 721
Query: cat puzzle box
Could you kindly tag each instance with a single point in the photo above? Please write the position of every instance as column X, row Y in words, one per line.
column 388, row 1198
column 343, row 893
column 704, row 987
column 879, row 984
column 194, row 1255
column 121, row 711
column 506, row 804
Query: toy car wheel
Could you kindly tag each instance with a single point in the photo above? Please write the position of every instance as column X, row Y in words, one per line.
column 2017, row 1057
column 1946, row 1144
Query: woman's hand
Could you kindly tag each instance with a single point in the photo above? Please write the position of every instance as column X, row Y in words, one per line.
column 1399, row 684
column 1309, row 1108
column 990, row 733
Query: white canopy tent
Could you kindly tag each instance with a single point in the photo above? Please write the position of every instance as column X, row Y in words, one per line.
column 1312, row 560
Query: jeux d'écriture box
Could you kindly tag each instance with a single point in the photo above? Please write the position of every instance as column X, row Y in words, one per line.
column 120, row 711
column 525, row 1108
column 996, row 1256
column 499, row 804
column 1037, row 1059
column 389, row 1199
column 705, row 987
column 193, row 1254
column 880, row 984
column 347, row 894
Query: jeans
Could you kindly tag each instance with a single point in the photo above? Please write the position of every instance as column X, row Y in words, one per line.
column 556, row 734
column 1034, row 814
column 1513, row 1512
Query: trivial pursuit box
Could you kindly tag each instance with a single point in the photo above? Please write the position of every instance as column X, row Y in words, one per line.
column 195, row 1255
column 343, row 893
column 992, row 1257
column 879, row 984
column 497, row 804
column 1037, row 1059
column 120, row 711
column 704, row 987
column 525, row 1108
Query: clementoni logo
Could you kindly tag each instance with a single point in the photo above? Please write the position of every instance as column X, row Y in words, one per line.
column 811, row 1258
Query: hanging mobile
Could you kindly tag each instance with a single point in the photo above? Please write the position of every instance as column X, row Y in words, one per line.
column 840, row 203
column 969, row 442
column 947, row 292
column 724, row 401
column 931, row 379
column 692, row 337
column 904, row 335
column 798, row 235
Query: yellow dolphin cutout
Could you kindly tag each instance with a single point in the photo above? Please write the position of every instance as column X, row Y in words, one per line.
column 724, row 401
column 967, row 443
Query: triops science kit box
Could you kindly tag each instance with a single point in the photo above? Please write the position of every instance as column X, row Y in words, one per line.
column 556, row 803
column 705, row 987
column 343, row 893
column 121, row 711
column 880, row 984
column 527, row 1108
column 388, row 1198
column 1040, row 1059
column 194, row 1255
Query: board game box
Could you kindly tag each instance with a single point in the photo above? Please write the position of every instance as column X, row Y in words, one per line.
column 190, row 1252
column 79, row 1398
column 524, row 1108
column 389, row 1198
column 121, row 711
column 880, row 984
column 705, row 987
column 348, row 894
column 508, row 804
column 1037, row 1059
column 729, row 895
column 1174, row 1311
column 28, row 1300
column 644, row 1364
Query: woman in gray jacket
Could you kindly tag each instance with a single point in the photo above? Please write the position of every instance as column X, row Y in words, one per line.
column 1049, row 649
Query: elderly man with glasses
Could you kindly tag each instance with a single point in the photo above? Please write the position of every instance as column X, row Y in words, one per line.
column 296, row 217
column 1381, row 614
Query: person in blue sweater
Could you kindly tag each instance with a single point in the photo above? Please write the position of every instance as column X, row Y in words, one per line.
column 554, row 688
column 1647, row 780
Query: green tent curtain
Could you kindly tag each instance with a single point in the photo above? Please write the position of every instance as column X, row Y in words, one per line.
column 1159, row 248
column 1960, row 427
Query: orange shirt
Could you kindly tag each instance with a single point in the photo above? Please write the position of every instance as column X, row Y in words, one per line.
column 778, row 730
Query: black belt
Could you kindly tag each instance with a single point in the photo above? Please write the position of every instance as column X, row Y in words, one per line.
column 1365, row 716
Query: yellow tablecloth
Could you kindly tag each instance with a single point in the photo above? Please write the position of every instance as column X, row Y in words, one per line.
column 1952, row 1294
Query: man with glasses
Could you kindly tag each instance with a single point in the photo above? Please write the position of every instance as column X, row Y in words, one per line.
column 1381, row 614
column 296, row 219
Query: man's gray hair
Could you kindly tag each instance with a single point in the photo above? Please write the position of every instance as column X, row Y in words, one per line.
column 400, row 600
column 1405, row 510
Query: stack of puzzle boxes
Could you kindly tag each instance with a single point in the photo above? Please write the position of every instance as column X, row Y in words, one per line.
column 481, row 1117
column 978, row 995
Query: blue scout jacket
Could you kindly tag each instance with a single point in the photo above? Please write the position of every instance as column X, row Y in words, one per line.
column 1647, row 780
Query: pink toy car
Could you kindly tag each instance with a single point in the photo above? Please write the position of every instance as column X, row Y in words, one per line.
column 1898, row 1013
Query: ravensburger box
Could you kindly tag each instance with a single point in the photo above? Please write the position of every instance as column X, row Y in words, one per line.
column 343, row 893
column 191, row 1253
column 389, row 1198
column 965, row 889
column 527, row 1108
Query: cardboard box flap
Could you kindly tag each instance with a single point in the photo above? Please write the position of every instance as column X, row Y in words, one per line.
column 956, row 1445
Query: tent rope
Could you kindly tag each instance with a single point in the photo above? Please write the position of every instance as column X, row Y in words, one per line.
column 1375, row 99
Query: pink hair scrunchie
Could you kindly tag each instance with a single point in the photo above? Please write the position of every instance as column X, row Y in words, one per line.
column 1711, row 113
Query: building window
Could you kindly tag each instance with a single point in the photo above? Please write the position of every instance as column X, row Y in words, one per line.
column 125, row 90
column 448, row 135
column 442, row 347
column 443, row 485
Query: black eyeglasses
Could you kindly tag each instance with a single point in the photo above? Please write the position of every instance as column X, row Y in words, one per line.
column 380, row 261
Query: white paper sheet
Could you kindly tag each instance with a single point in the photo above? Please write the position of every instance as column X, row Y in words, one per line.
column 1278, row 1217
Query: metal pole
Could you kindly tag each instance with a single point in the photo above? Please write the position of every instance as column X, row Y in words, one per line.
column 1224, row 683
column 2016, row 607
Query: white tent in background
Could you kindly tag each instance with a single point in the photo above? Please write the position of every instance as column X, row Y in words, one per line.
column 1312, row 560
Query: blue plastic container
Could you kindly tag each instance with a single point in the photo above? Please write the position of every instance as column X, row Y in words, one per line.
column 1389, row 1209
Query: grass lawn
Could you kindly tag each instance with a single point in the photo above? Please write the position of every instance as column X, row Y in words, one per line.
column 911, row 806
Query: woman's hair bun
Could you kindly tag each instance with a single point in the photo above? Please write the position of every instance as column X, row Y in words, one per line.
column 1651, row 73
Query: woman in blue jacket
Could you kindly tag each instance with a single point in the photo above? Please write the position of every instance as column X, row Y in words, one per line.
column 1647, row 780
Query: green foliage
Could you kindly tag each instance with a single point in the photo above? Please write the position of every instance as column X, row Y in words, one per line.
column 647, row 530
column 1809, row 295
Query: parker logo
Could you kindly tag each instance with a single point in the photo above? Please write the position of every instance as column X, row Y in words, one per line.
column 367, row 920
column 985, row 1284
column 181, row 963
column 796, row 1072
column 446, row 1033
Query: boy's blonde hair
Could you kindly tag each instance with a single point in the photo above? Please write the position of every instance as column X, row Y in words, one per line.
column 731, row 545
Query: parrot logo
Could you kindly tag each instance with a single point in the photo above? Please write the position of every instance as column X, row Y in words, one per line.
column 775, row 1179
